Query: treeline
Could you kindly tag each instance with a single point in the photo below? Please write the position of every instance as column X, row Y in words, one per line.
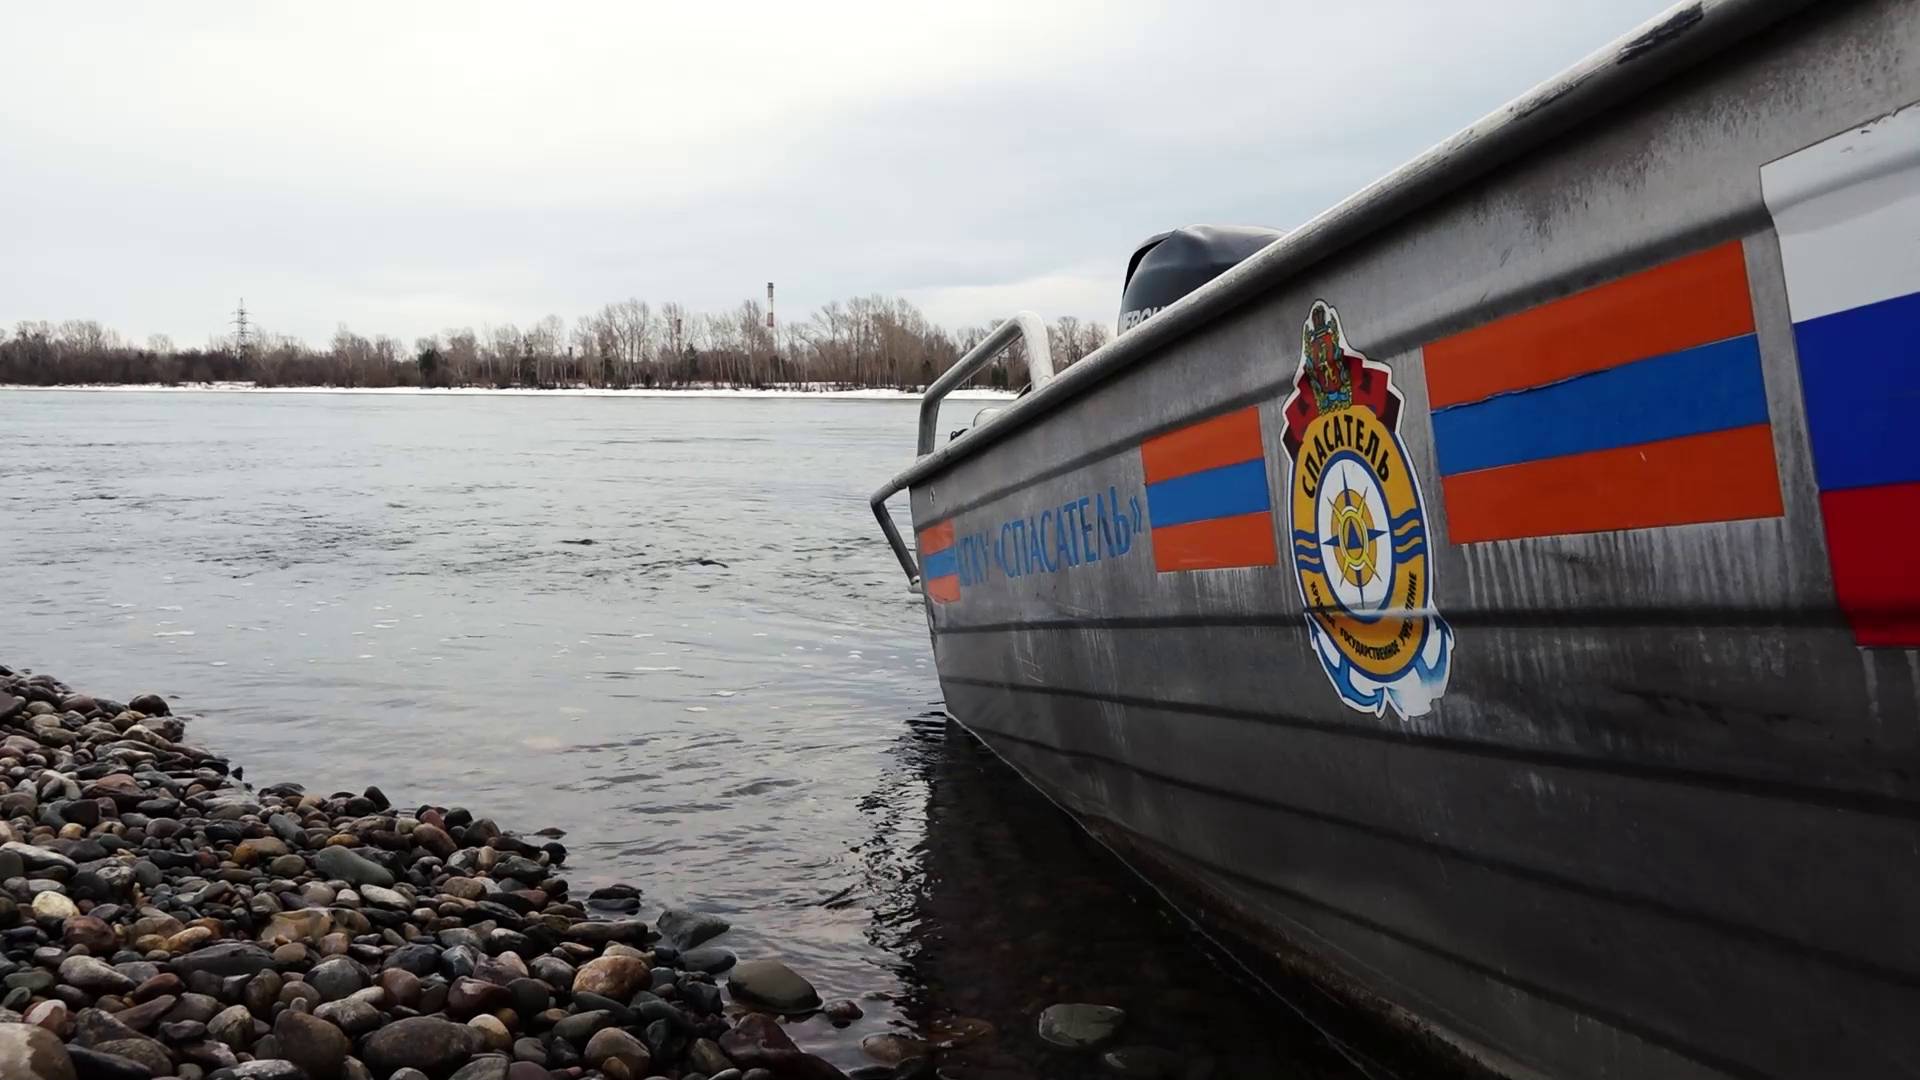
column 873, row 341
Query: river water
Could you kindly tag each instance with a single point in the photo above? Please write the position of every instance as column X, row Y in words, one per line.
column 667, row 627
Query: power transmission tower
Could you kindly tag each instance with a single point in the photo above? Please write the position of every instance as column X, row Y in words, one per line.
column 242, row 330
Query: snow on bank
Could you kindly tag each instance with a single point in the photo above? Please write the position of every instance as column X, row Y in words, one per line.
column 784, row 391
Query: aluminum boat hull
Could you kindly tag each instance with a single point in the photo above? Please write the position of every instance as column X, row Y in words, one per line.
column 1633, row 789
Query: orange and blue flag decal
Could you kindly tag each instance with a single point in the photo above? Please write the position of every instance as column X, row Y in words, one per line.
column 1635, row 404
column 1207, row 501
column 939, row 565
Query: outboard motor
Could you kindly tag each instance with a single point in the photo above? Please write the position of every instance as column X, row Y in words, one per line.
column 1171, row 265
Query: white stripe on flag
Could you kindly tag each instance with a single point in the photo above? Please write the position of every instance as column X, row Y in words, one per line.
column 1848, row 213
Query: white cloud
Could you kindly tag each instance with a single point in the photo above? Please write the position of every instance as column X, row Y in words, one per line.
column 405, row 167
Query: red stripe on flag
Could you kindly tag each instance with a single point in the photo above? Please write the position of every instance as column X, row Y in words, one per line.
column 1719, row 476
column 1224, row 440
column 1690, row 301
column 1217, row 543
column 935, row 538
column 944, row 590
column 1876, row 579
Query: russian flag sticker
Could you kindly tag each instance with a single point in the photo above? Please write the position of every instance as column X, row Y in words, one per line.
column 1848, row 214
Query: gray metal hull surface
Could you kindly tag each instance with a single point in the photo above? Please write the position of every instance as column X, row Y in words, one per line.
column 1651, row 808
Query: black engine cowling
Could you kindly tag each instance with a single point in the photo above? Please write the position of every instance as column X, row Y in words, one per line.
column 1171, row 265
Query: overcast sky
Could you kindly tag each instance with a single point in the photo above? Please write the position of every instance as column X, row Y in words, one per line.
column 404, row 168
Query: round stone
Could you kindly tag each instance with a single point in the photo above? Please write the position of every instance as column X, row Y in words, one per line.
column 1078, row 1026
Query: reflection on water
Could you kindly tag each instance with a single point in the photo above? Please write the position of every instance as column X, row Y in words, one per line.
column 1006, row 907
column 666, row 627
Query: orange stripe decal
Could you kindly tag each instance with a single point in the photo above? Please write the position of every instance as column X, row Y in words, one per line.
column 1690, row 301
column 936, row 538
column 1223, row 440
column 943, row 590
column 1244, row 540
column 1719, row 476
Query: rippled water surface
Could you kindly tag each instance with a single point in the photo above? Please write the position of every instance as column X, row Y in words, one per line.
column 666, row 626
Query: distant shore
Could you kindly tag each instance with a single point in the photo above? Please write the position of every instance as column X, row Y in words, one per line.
column 800, row 390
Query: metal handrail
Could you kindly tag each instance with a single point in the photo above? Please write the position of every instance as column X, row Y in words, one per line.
column 1027, row 327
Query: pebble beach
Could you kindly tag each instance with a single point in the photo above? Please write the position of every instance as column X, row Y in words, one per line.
column 162, row 918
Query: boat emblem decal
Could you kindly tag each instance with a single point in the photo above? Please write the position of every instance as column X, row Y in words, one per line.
column 1359, row 529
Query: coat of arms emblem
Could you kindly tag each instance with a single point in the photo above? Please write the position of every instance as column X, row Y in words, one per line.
column 1359, row 530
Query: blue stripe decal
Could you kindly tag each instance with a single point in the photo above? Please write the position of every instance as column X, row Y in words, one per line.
column 939, row 564
column 1225, row 491
column 1690, row 392
column 1860, row 378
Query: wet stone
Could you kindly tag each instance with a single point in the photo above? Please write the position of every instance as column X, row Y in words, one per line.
column 351, row 1015
column 146, row 1052
column 701, row 997
column 490, row 1067
column 224, row 958
column 143, row 1016
column 261, row 992
column 234, row 1026
column 460, row 961
column 337, row 978
column 888, row 1048
column 96, row 1065
column 612, row 1043
column 499, row 1039
column 687, row 929
column 94, row 976
column 772, row 984
column 579, row 1027
column 90, row 932
column 612, row 976
column 710, row 959
column 417, row 959
column 753, row 1036
column 183, row 1031
column 1076, row 1026
column 468, row 996
column 552, row 970
column 316, row 1046
column 53, row 907
column 1144, row 1063
column 345, row 865
column 623, row 899
column 33, row 1053
column 262, row 1069
column 422, row 1042
column 530, row 996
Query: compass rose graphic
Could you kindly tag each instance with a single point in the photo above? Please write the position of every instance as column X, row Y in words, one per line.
column 1354, row 539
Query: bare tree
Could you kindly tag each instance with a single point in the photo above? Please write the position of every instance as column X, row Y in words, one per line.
column 870, row 340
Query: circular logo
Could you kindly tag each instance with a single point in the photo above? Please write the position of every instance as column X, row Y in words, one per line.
column 1359, row 530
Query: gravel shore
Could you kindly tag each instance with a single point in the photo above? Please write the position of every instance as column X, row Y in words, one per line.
column 162, row 919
